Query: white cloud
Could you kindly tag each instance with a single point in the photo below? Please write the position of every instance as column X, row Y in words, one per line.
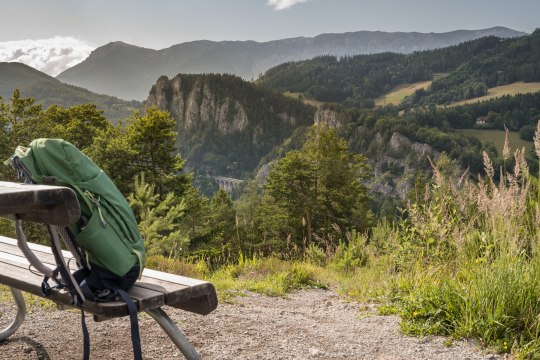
column 52, row 56
column 283, row 4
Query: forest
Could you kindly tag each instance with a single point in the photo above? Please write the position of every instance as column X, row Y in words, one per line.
column 355, row 81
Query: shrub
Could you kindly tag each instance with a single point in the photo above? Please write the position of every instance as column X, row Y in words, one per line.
column 315, row 255
column 352, row 254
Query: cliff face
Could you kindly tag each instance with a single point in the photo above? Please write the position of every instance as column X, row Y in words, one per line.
column 197, row 105
column 395, row 168
column 395, row 161
column 225, row 124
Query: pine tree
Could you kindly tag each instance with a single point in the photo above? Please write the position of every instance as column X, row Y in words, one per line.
column 320, row 189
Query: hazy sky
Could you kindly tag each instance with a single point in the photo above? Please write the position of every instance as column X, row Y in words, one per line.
column 53, row 34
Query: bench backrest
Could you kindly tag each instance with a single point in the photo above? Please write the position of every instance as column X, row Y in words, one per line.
column 55, row 205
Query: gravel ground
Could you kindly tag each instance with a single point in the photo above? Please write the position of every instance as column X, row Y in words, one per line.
column 309, row 324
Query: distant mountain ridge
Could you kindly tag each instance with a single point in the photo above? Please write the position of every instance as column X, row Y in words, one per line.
column 129, row 71
column 47, row 91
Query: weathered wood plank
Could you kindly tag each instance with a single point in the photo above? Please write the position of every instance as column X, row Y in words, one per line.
column 172, row 278
column 33, row 246
column 54, row 205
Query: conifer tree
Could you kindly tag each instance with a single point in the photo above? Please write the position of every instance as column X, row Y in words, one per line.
column 320, row 189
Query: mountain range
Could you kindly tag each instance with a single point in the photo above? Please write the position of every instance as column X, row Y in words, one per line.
column 129, row 71
column 47, row 91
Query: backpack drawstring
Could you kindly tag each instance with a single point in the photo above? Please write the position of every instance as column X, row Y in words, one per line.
column 141, row 265
column 96, row 201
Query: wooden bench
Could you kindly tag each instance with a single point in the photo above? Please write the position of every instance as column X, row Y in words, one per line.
column 58, row 206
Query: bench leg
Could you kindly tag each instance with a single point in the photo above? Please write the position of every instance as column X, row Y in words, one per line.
column 21, row 311
column 174, row 333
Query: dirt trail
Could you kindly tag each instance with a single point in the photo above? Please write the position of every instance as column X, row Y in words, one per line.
column 309, row 324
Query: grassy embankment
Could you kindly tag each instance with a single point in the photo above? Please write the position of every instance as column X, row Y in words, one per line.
column 464, row 263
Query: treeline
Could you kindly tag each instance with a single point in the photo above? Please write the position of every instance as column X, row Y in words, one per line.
column 49, row 91
column 511, row 112
column 507, row 62
column 355, row 81
column 313, row 197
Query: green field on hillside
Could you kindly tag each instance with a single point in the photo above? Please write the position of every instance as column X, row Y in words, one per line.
column 511, row 89
column 306, row 101
column 396, row 96
column 400, row 92
column 497, row 138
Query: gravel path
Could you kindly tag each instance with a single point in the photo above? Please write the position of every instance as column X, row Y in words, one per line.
column 309, row 324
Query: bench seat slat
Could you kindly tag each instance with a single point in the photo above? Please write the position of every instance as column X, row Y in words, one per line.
column 47, row 259
column 155, row 288
column 36, row 248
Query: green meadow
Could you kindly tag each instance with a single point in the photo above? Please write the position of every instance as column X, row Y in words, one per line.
column 499, row 91
column 497, row 138
column 400, row 92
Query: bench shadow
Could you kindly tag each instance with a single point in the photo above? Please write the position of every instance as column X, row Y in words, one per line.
column 41, row 353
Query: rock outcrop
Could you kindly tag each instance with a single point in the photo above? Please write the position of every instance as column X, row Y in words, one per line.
column 197, row 106
column 225, row 124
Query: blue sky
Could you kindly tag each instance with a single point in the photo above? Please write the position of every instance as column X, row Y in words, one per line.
column 78, row 26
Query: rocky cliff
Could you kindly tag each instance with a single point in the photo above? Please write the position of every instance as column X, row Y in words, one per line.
column 225, row 124
column 198, row 106
column 395, row 161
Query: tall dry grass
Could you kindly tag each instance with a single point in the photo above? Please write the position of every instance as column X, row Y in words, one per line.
column 470, row 257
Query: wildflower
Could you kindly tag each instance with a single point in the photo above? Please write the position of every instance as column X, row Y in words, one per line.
column 488, row 166
column 506, row 147
column 537, row 139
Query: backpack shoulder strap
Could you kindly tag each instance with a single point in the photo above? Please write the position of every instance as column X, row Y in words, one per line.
column 135, row 337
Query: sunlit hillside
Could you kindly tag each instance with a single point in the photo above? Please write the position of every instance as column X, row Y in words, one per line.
column 400, row 92
column 499, row 91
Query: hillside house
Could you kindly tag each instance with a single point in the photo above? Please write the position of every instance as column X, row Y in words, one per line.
column 481, row 120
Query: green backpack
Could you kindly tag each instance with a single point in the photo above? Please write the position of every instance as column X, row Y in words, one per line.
column 107, row 230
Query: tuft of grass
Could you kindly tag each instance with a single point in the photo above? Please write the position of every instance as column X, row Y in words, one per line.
column 32, row 301
column 268, row 276
column 485, row 284
column 177, row 266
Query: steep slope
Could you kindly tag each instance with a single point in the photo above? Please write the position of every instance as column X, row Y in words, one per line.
column 47, row 91
column 128, row 71
column 225, row 124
